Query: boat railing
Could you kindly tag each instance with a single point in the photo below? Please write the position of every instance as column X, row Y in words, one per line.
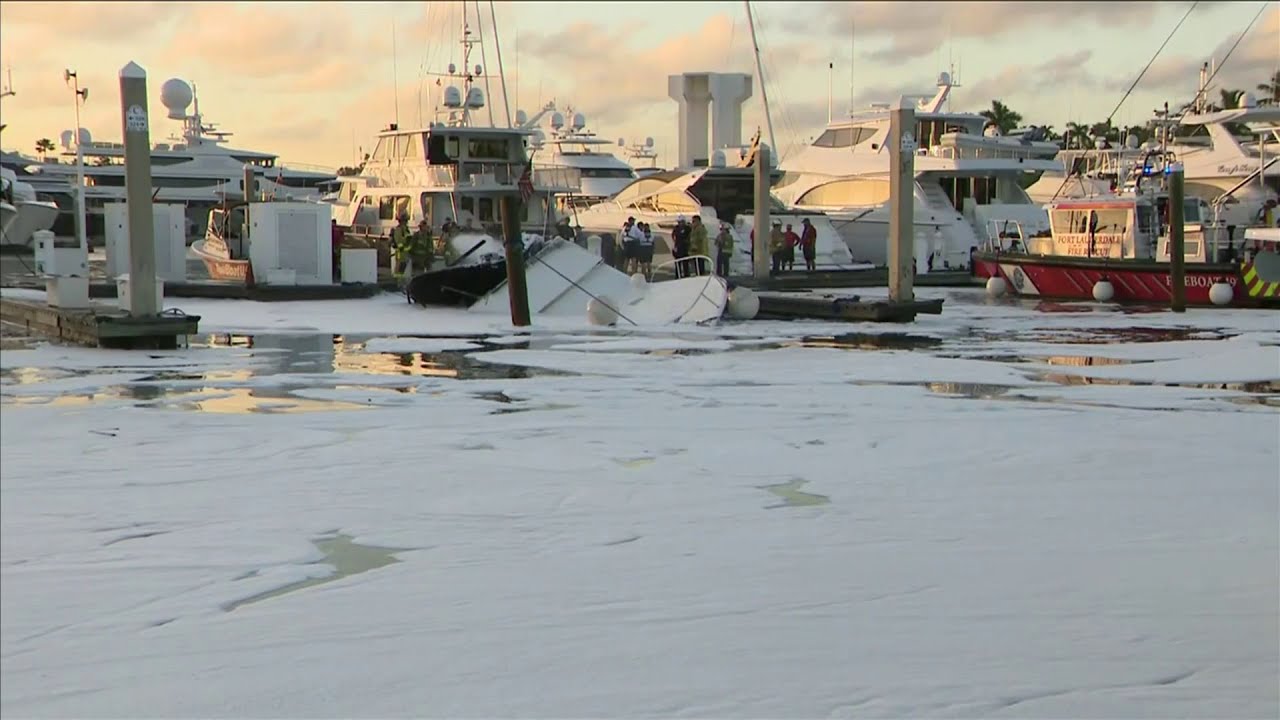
column 1004, row 236
column 688, row 266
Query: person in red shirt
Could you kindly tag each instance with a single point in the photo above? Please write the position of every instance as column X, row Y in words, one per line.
column 789, row 250
column 809, row 246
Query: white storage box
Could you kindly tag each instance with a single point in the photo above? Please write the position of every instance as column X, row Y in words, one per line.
column 359, row 266
column 64, row 258
column 124, row 293
column 293, row 236
column 170, row 227
column 69, row 293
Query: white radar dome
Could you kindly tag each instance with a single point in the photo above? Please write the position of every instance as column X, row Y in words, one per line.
column 522, row 117
column 557, row 120
column 1247, row 100
column 452, row 97
column 176, row 96
column 579, row 121
column 475, row 98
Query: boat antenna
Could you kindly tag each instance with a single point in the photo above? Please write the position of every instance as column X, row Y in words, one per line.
column 395, row 77
column 502, row 75
column 1153, row 59
column 484, row 59
column 764, row 94
column 1226, row 57
column 7, row 90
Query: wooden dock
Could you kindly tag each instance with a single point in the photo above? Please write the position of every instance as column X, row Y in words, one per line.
column 214, row 289
column 874, row 277
column 100, row 326
column 851, row 308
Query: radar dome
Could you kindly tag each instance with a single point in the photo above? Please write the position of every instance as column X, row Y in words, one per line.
column 452, row 97
column 1131, row 142
column 539, row 137
column 522, row 117
column 453, row 68
column 479, row 70
column 944, row 78
column 475, row 98
column 557, row 120
column 648, row 142
column 85, row 137
column 718, row 159
column 991, row 131
column 579, row 121
column 1247, row 100
column 622, row 142
column 176, row 95
column 1099, row 142
column 65, row 139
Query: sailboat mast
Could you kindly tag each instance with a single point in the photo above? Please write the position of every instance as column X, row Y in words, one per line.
column 764, row 94
column 502, row 75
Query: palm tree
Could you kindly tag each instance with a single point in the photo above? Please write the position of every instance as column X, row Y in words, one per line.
column 43, row 146
column 1230, row 99
column 1272, row 88
column 1077, row 135
column 1002, row 117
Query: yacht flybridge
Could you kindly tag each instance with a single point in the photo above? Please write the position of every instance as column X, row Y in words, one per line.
column 966, row 181
column 451, row 171
column 196, row 169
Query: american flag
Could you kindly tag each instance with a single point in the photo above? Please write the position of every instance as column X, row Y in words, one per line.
column 526, row 181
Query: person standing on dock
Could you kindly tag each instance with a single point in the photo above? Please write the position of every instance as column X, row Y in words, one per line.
column 401, row 245
column 698, row 245
column 645, row 257
column 809, row 245
column 724, row 250
column 423, row 252
column 777, row 246
column 789, row 252
column 680, row 244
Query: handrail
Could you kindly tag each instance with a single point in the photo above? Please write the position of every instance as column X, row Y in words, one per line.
column 675, row 263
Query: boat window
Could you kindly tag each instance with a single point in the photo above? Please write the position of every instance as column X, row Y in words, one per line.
column 1070, row 221
column 836, row 138
column 424, row 204
column 1111, row 222
column 410, row 147
column 486, row 213
column 390, row 207
column 1191, row 211
column 842, row 193
column 487, row 149
column 624, row 173
column 380, row 150
column 442, row 150
column 1146, row 219
column 468, row 204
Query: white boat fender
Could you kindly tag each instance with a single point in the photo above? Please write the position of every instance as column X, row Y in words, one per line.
column 743, row 303
column 996, row 287
column 1103, row 290
column 1221, row 293
column 602, row 310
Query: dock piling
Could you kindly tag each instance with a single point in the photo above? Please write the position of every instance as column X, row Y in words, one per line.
column 517, row 291
column 760, row 245
column 1177, row 244
column 143, row 300
column 902, row 149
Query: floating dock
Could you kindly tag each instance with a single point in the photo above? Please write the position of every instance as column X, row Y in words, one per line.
column 213, row 289
column 101, row 326
column 876, row 277
column 852, row 308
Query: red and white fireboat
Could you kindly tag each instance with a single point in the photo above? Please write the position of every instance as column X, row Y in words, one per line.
column 1113, row 250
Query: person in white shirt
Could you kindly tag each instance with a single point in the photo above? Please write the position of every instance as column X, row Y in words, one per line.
column 634, row 242
column 646, row 250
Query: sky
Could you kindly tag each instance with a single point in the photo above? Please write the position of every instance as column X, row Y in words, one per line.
column 314, row 82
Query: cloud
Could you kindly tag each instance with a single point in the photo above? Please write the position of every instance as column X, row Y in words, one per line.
column 917, row 29
column 110, row 22
column 1012, row 81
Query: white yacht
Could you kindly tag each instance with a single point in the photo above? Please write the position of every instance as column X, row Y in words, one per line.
column 967, row 181
column 196, row 168
column 584, row 156
column 722, row 192
column 451, row 171
column 21, row 212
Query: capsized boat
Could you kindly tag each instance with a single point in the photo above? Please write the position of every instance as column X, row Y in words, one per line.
column 480, row 264
column 566, row 280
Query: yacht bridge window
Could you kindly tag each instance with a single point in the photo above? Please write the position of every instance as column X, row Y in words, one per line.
column 624, row 173
column 390, row 207
column 844, row 137
column 487, row 149
column 442, row 150
column 410, row 147
column 847, row 193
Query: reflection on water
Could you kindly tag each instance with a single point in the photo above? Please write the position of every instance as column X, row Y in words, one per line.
column 793, row 497
column 346, row 557
column 969, row 390
column 203, row 399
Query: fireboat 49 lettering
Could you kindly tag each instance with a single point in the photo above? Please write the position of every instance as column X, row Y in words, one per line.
column 1200, row 281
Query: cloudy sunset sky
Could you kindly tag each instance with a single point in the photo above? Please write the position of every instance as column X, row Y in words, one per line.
column 313, row 82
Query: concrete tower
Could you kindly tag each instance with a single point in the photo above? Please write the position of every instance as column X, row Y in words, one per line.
column 723, row 95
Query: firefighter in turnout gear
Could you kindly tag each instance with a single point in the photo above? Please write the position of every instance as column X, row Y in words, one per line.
column 401, row 245
column 422, row 252
column 698, row 245
column 724, row 250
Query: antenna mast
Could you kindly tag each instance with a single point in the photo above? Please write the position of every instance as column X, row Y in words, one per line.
column 7, row 90
column 395, row 77
column 764, row 94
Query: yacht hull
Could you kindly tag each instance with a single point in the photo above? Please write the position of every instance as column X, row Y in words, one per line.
column 26, row 219
column 456, row 286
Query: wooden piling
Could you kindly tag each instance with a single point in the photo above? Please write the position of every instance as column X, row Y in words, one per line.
column 1177, row 244
column 517, row 291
